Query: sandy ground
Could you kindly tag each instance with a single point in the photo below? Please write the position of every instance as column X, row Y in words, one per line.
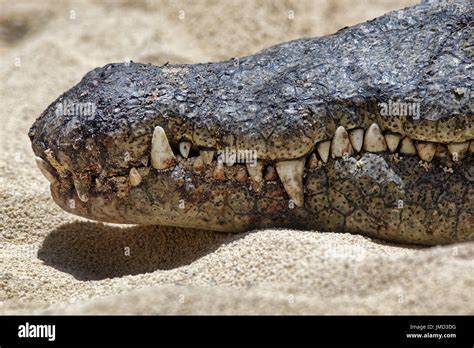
column 52, row 262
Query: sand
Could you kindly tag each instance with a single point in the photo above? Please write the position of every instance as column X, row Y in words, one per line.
column 53, row 262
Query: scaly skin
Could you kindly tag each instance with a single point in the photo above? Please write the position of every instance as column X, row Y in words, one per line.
column 280, row 102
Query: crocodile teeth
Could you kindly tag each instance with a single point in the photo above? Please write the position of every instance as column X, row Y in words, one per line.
column 144, row 161
column 441, row 151
column 218, row 173
column 184, row 148
column 256, row 171
column 357, row 138
column 392, row 140
column 162, row 156
column 46, row 170
column 241, row 175
column 458, row 150
column 341, row 145
column 135, row 177
column 291, row 176
column 374, row 140
column 312, row 161
column 323, row 150
column 207, row 156
column 198, row 165
column 82, row 189
column 270, row 174
column 407, row 147
column 426, row 150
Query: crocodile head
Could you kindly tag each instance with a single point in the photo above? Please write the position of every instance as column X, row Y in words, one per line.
column 369, row 130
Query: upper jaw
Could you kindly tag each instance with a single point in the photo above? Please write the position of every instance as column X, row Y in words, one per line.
column 118, row 135
column 82, row 151
column 283, row 102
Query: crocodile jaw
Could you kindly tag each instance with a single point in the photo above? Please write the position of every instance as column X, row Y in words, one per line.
column 103, row 167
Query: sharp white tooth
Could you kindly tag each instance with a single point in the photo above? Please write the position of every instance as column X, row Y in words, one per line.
column 241, row 175
column 198, row 165
column 207, row 156
column 407, row 147
column 441, row 151
column 46, row 170
column 82, row 189
column 135, row 177
column 458, row 150
column 323, row 150
column 162, row 156
column 312, row 161
column 255, row 171
column 144, row 161
column 374, row 140
column 357, row 138
column 291, row 176
column 426, row 150
column 392, row 140
column 218, row 173
column 270, row 174
column 99, row 185
column 341, row 144
column 184, row 148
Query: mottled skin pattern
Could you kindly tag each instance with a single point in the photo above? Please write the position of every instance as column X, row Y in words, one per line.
column 281, row 102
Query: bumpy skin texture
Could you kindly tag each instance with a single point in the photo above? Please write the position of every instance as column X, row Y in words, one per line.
column 281, row 102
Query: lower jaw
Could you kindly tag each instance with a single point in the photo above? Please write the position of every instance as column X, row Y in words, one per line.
column 398, row 201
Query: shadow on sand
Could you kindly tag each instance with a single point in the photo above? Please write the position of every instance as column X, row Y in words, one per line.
column 94, row 251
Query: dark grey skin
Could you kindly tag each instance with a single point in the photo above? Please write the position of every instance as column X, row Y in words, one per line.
column 281, row 102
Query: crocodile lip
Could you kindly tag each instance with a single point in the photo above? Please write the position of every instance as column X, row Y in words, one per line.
column 311, row 111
